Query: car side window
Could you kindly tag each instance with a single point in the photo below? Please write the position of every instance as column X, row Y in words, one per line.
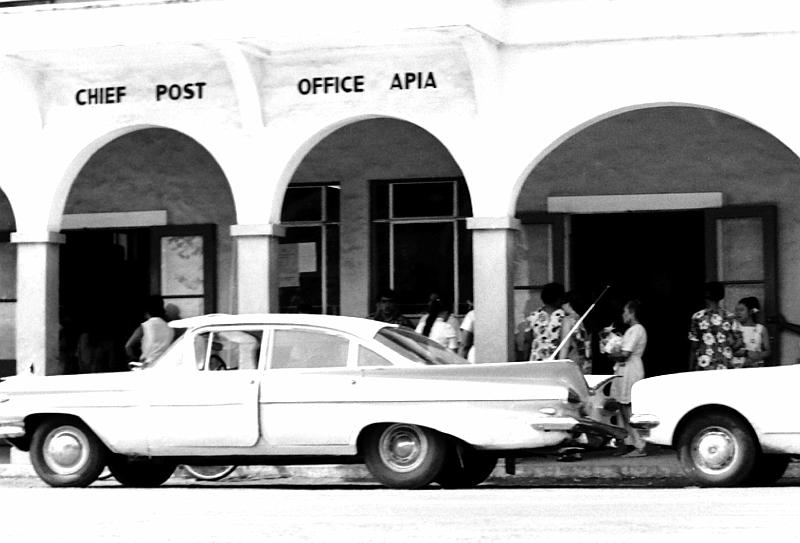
column 367, row 357
column 220, row 350
column 308, row 349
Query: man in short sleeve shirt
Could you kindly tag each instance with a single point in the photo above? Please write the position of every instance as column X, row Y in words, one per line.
column 714, row 333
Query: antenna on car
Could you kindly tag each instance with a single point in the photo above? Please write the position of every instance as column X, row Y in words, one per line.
column 576, row 325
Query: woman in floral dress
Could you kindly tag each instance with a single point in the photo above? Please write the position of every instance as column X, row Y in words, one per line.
column 546, row 323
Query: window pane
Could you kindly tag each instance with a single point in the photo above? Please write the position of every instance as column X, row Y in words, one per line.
column 8, row 271
column 308, row 349
column 188, row 307
column 741, row 249
column 8, row 330
column 532, row 255
column 300, row 270
column 423, row 263
column 370, row 358
column 230, row 350
column 332, row 193
column 182, row 265
column 429, row 199
column 734, row 293
column 302, row 204
column 332, row 269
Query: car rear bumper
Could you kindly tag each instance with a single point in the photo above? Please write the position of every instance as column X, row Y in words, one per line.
column 576, row 425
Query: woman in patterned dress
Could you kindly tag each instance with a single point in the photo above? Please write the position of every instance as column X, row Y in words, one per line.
column 630, row 368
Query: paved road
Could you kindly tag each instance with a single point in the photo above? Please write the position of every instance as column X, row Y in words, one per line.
column 244, row 512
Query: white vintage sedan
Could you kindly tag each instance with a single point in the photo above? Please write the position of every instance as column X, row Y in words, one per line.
column 299, row 389
column 734, row 427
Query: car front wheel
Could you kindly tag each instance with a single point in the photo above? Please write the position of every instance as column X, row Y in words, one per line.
column 717, row 450
column 404, row 455
column 65, row 452
column 140, row 473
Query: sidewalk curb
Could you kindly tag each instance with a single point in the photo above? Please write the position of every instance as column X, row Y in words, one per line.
column 661, row 467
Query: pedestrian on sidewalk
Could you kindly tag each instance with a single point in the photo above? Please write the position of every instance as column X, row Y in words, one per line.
column 630, row 368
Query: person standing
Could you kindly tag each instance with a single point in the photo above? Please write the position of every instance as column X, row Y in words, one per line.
column 755, row 337
column 153, row 336
column 436, row 325
column 579, row 347
column 386, row 310
column 628, row 365
column 714, row 333
column 547, row 322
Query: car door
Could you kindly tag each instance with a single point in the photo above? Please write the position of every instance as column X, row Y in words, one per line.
column 308, row 389
column 213, row 401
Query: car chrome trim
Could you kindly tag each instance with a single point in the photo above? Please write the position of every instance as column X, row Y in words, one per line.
column 644, row 422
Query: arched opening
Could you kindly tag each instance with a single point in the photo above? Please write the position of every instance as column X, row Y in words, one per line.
column 377, row 204
column 149, row 213
column 655, row 202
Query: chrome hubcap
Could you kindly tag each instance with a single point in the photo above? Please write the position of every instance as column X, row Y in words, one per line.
column 714, row 450
column 65, row 450
column 402, row 447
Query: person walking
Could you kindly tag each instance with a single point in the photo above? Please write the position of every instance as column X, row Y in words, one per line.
column 755, row 337
column 546, row 323
column 630, row 369
column 714, row 333
column 152, row 337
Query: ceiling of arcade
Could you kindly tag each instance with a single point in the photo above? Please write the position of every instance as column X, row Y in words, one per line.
column 666, row 149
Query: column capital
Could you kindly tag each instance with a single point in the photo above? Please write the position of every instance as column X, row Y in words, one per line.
column 38, row 237
column 493, row 223
column 268, row 229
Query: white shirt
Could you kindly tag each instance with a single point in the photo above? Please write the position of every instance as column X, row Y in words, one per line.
column 156, row 337
column 441, row 332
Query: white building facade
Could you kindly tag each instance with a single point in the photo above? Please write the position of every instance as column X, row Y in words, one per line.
column 247, row 156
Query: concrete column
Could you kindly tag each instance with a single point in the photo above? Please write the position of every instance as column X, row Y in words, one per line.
column 37, row 303
column 493, row 241
column 257, row 266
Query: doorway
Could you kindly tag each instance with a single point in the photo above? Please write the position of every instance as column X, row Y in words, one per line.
column 104, row 278
column 107, row 274
column 656, row 257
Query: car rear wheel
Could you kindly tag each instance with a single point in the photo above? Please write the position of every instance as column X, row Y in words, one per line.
column 404, row 455
column 768, row 469
column 65, row 452
column 140, row 473
column 717, row 449
column 465, row 467
column 209, row 473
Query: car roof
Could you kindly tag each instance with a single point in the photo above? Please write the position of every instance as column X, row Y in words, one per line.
column 353, row 325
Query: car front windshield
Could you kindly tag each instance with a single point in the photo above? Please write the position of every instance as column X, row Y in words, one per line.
column 416, row 347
